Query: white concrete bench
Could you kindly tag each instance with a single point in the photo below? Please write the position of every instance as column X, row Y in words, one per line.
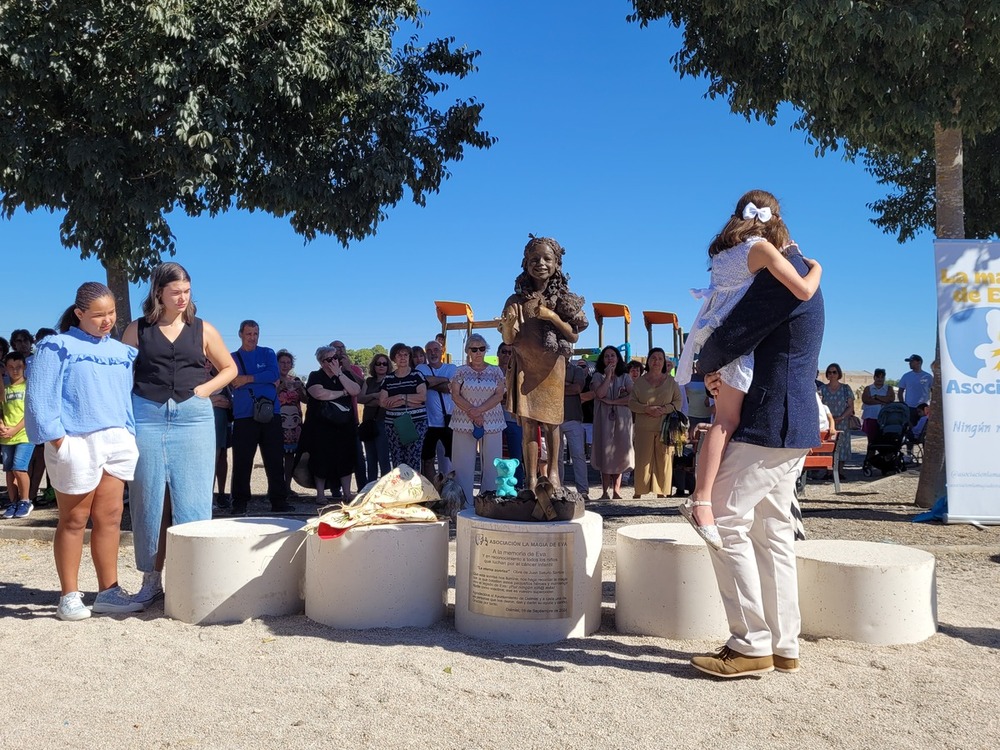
column 389, row 576
column 665, row 584
column 234, row 569
column 523, row 582
column 883, row 594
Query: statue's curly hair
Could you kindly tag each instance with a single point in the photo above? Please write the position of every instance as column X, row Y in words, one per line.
column 556, row 295
column 556, row 286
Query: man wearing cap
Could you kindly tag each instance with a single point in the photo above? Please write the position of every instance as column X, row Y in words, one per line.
column 915, row 386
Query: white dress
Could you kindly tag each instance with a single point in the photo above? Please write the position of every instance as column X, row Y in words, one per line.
column 730, row 279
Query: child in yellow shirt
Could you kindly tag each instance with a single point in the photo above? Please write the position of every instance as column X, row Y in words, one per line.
column 14, row 445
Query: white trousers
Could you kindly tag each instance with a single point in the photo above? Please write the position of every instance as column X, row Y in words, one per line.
column 463, row 460
column 755, row 569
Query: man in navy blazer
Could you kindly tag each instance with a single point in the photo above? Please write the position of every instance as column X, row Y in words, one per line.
column 755, row 488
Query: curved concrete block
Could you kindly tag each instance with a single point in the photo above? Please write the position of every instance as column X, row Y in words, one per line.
column 233, row 569
column 665, row 584
column 884, row 594
column 390, row 576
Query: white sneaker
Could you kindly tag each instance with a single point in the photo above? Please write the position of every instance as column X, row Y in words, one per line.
column 151, row 589
column 115, row 600
column 71, row 607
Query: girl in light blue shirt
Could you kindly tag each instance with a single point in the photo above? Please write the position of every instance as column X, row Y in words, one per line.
column 78, row 403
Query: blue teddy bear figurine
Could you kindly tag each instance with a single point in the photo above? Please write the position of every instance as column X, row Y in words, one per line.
column 506, row 483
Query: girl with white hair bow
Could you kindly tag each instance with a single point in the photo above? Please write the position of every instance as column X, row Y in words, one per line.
column 754, row 238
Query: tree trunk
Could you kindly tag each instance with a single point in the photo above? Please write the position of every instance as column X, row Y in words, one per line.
column 118, row 283
column 950, row 220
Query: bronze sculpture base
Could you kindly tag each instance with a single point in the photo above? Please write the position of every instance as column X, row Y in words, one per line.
column 544, row 504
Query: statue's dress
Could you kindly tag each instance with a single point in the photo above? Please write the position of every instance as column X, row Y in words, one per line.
column 537, row 375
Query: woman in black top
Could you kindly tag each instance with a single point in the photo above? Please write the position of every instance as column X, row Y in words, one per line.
column 372, row 429
column 174, row 422
column 403, row 394
column 330, row 433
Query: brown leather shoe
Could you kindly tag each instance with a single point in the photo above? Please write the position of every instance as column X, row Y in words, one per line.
column 784, row 664
column 728, row 663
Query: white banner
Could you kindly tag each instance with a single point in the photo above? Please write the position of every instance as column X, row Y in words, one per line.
column 968, row 282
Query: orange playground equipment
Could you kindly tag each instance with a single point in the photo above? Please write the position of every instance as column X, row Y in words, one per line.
column 656, row 317
column 468, row 322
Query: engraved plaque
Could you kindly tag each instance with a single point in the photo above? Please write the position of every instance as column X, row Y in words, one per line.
column 521, row 575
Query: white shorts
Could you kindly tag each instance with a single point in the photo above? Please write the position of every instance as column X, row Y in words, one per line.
column 78, row 464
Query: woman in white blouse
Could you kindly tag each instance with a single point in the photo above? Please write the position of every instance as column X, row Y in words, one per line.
column 478, row 389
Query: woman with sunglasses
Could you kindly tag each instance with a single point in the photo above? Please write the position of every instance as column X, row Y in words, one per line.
column 372, row 429
column 402, row 395
column 839, row 398
column 477, row 388
column 329, row 434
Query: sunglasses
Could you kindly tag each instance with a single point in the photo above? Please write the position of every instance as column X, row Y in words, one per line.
column 833, row 372
column 477, row 348
column 381, row 364
column 329, row 359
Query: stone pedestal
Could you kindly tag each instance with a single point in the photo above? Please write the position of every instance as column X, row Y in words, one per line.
column 390, row 576
column 665, row 584
column 884, row 594
column 234, row 569
column 523, row 582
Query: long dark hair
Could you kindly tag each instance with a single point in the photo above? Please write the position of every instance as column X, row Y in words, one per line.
column 163, row 274
column 653, row 351
column 619, row 366
column 738, row 229
column 88, row 293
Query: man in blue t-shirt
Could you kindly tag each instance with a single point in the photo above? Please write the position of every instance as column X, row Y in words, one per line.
column 914, row 387
column 258, row 372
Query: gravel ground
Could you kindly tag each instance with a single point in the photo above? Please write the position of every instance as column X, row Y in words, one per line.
column 146, row 681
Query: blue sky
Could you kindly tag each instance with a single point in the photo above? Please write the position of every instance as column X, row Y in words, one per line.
column 601, row 146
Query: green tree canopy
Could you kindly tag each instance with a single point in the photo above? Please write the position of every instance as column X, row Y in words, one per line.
column 117, row 112
column 863, row 74
column 363, row 357
column 910, row 205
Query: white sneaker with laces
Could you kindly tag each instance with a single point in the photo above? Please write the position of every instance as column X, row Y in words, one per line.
column 71, row 607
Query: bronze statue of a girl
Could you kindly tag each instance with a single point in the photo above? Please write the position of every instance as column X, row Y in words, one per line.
column 541, row 321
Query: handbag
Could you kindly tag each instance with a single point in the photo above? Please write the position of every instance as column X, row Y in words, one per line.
column 263, row 408
column 368, row 431
column 406, row 430
column 335, row 413
column 674, row 430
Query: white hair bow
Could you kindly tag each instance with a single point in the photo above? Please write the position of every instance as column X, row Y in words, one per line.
column 751, row 211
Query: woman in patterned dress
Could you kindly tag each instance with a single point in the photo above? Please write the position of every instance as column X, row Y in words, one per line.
column 612, row 454
column 291, row 395
column 478, row 390
column 839, row 398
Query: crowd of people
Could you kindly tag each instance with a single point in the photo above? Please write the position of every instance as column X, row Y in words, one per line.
column 163, row 408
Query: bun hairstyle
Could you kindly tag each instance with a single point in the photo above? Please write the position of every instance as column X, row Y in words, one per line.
column 739, row 229
column 88, row 293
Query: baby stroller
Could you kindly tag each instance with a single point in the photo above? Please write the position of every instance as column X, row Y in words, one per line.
column 885, row 449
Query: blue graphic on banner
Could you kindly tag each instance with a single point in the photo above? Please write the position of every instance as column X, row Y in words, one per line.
column 971, row 336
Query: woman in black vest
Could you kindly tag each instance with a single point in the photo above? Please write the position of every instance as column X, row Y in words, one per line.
column 175, row 425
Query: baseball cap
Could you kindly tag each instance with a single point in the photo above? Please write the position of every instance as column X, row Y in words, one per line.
column 914, row 356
